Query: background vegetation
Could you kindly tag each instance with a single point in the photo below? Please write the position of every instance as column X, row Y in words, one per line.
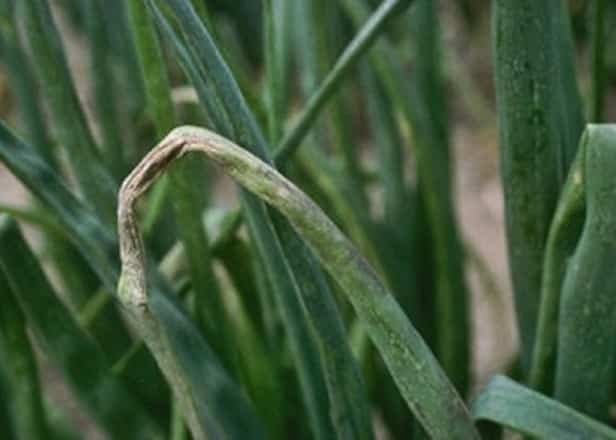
column 257, row 313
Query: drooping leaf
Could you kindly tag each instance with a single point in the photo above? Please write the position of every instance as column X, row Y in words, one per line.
column 421, row 380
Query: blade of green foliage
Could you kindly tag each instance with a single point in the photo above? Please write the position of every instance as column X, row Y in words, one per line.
column 79, row 282
column 212, row 404
column 540, row 124
column 236, row 256
column 361, row 43
column 316, row 21
column 350, row 409
column 563, row 237
column 260, row 370
column 210, row 101
column 350, row 414
column 431, row 147
column 287, row 284
column 96, row 243
column 333, row 171
column 276, row 15
column 82, row 363
column 5, row 417
column 398, row 224
column 397, row 241
column 104, row 87
column 21, row 79
column 74, row 274
column 188, row 356
column 132, row 93
column 598, row 66
column 303, row 347
column 588, row 306
column 35, row 218
column 188, row 204
column 518, row 408
column 419, row 376
column 70, row 123
column 19, row 364
column 567, row 109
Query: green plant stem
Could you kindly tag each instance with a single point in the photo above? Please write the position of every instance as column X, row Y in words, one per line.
column 364, row 39
column 420, row 378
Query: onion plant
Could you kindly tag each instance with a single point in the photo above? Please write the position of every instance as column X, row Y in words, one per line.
column 329, row 299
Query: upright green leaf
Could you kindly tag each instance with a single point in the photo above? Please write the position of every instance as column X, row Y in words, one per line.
column 563, row 238
column 434, row 168
column 368, row 33
column 431, row 148
column 540, row 124
column 188, row 204
column 70, row 122
column 598, row 66
column 587, row 321
column 277, row 26
column 21, row 80
column 104, row 90
column 82, row 363
column 18, row 362
column 5, row 418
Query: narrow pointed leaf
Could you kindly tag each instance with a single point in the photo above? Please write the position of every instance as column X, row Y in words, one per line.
column 540, row 124
column 69, row 120
column 26, row 399
column 83, row 365
column 186, row 354
column 518, row 408
column 587, row 320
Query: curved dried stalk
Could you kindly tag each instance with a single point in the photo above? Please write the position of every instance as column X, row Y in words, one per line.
column 418, row 375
